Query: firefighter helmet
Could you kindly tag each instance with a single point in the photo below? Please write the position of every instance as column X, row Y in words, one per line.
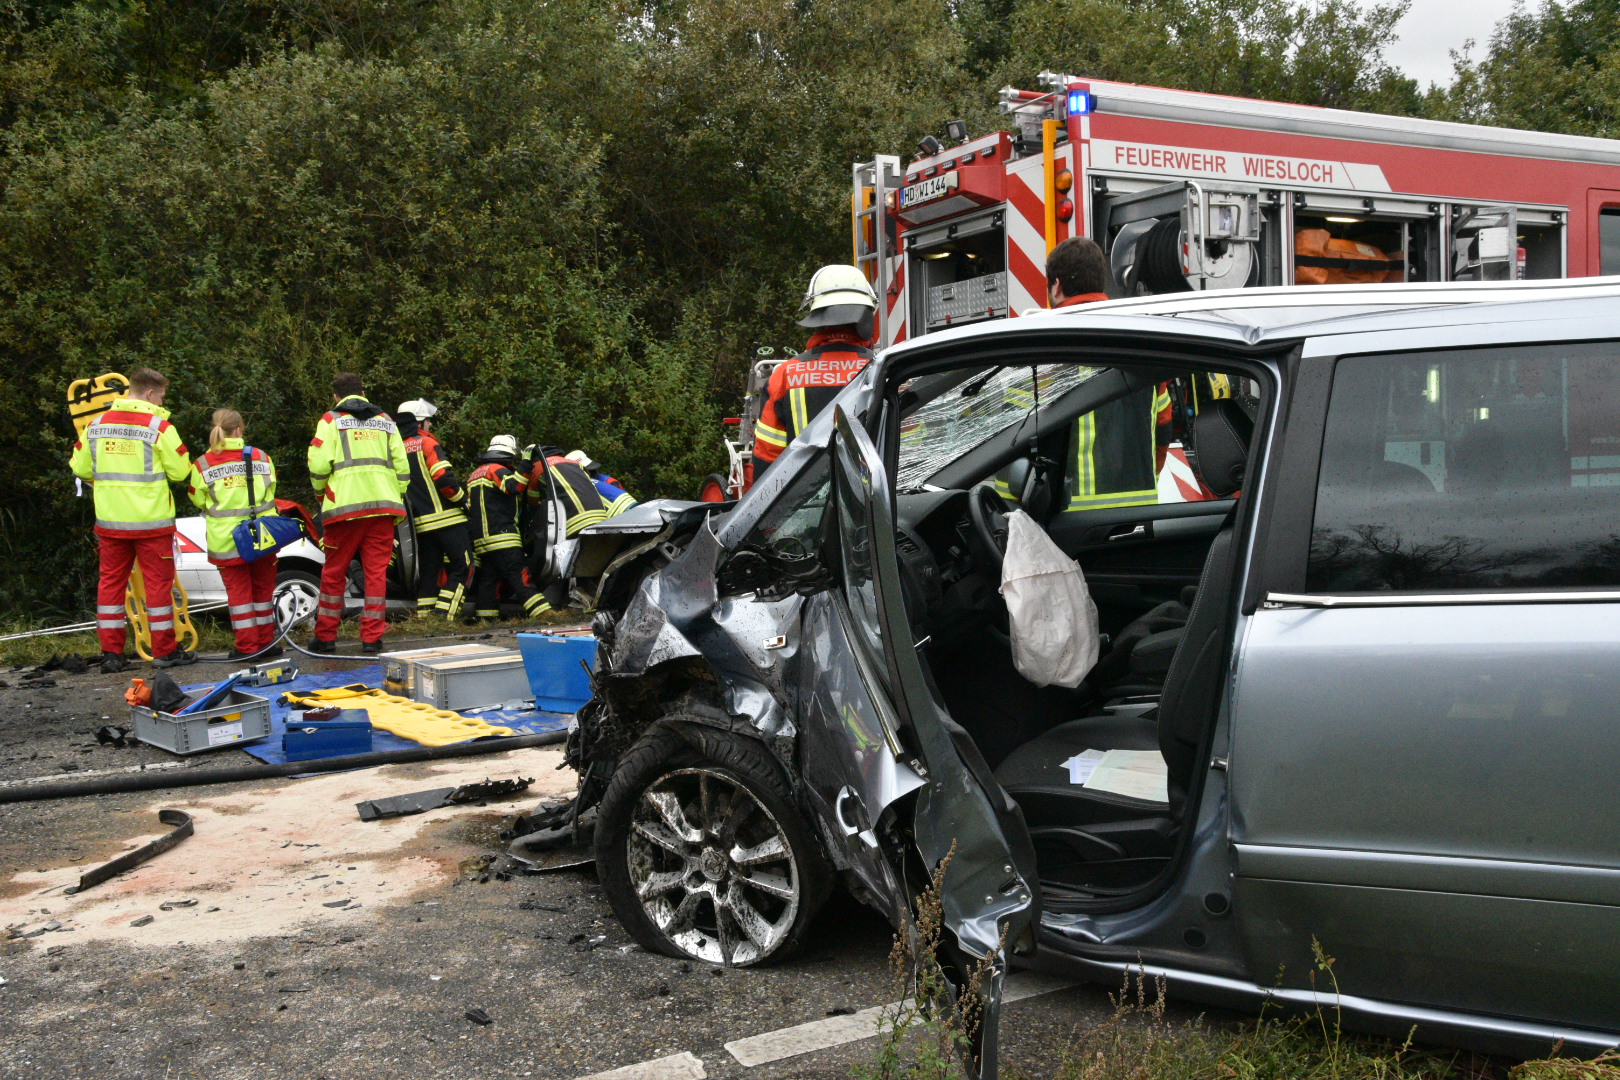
column 839, row 295
column 504, row 445
column 583, row 460
column 420, row 408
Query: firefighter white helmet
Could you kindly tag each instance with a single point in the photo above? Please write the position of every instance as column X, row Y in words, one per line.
column 583, row 460
column 421, row 408
column 839, row 295
column 505, row 445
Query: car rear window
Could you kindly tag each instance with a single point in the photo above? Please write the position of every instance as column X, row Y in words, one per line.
column 1474, row 469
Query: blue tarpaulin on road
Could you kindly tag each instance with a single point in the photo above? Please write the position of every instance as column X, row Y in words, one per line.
column 521, row 721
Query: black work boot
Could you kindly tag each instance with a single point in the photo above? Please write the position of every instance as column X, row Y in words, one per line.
column 371, row 648
column 177, row 658
column 112, row 663
column 316, row 645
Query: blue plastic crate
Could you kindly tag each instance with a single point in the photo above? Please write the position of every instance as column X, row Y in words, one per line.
column 553, row 664
column 306, row 740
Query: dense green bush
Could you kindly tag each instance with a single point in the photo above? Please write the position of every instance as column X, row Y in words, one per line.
column 566, row 219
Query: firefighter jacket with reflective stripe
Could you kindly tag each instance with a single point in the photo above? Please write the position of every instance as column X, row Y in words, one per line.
column 573, row 487
column 802, row 387
column 131, row 453
column 219, row 489
column 357, row 463
column 435, row 495
column 1118, row 447
column 493, row 491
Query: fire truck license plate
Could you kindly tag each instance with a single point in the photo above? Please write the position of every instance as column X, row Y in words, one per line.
column 932, row 188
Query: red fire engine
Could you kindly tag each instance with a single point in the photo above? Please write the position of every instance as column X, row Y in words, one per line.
column 1189, row 191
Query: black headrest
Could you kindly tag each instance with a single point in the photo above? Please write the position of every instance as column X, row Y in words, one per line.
column 1218, row 444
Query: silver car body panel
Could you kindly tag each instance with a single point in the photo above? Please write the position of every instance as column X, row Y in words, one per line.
column 1419, row 795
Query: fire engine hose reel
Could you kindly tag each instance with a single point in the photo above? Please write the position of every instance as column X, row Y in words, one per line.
column 1153, row 254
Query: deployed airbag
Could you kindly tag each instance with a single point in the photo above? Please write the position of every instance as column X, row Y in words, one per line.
column 1050, row 611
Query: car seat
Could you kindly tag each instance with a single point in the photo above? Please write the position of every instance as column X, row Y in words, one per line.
column 1099, row 839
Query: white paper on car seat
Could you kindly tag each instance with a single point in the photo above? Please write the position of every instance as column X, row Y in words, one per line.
column 1049, row 609
column 1082, row 765
column 1136, row 774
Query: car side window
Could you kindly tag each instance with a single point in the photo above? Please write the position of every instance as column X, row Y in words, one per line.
column 797, row 516
column 1495, row 468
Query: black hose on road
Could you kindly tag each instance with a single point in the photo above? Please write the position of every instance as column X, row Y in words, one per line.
column 178, row 778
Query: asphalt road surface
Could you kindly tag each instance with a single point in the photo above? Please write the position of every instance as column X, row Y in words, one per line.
column 287, row 938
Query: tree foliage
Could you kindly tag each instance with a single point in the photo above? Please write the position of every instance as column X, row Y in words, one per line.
column 1552, row 69
column 568, row 219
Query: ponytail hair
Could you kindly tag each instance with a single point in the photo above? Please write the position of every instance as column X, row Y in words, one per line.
column 227, row 425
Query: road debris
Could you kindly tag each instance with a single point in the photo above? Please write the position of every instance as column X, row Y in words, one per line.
column 113, row 736
column 142, row 921
column 170, row 905
column 479, row 1017
column 179, row 820
column 432, row 799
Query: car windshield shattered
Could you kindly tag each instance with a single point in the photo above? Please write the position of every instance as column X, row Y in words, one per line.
column 949, row 414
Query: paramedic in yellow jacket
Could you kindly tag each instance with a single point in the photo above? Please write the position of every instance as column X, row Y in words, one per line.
column 220, row 489
column 357, row 466
column 131, row 453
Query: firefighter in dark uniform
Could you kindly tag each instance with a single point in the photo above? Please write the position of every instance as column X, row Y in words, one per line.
column 1119, row 447
column 494, row 493
column 840, row 307
column 435, row 500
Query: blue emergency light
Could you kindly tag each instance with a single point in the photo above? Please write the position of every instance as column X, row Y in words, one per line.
column 1082, row 102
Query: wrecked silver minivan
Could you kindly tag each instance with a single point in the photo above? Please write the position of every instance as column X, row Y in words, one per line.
column 1358, row 684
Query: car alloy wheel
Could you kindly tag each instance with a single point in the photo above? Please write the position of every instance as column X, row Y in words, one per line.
column 702, row 849
column 712, row 867
column 294, row 597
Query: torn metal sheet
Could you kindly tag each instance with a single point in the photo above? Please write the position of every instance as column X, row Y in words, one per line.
column 181, row 828
column 419, row 802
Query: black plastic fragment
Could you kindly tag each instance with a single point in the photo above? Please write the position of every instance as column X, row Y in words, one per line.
column 181, row 828
column 114, row 736
column 422, row 801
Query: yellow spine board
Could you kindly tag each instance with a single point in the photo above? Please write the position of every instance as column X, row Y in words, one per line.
column 413, row 720
column 185, row 634
column 89, row 398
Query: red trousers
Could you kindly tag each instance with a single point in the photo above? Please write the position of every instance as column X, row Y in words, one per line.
column 372, row 540
column 118, row 555
column 248, row 591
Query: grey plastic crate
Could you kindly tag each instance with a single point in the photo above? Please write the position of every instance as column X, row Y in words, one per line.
column 399, row 668
column 240, row 718
column 472, row 682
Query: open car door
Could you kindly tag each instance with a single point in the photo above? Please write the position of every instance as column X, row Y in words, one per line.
column 987, row 902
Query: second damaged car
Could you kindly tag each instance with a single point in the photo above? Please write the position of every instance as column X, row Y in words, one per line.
column 1351, row 555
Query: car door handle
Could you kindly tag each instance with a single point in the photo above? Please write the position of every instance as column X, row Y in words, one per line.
column 853, row 830
column 1138, row 531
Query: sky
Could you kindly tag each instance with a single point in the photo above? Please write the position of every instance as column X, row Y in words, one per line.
column 1432, row 29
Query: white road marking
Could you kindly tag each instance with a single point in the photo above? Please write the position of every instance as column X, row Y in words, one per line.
column 838, row 1030
column 682, row 1066
column 87, row 774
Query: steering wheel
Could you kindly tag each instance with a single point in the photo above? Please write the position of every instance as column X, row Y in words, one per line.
column 987, row 512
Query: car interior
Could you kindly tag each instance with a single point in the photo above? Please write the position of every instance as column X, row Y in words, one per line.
column 1158, row 569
